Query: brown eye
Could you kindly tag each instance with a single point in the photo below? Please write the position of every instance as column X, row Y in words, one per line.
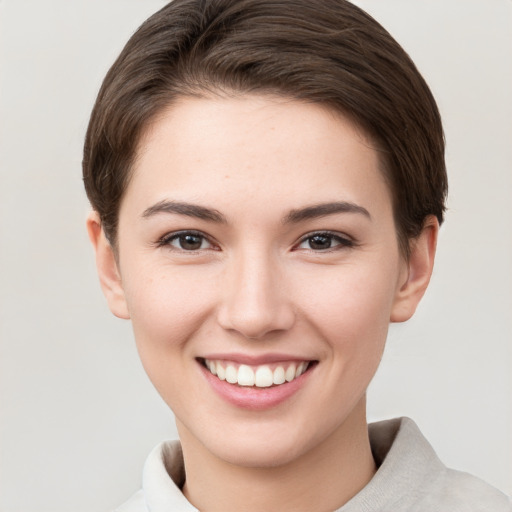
column 320, row 242
column 186, row 241
column 190, row 242
column 325, row 241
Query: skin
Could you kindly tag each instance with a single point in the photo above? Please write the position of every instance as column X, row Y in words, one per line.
column 256, row 285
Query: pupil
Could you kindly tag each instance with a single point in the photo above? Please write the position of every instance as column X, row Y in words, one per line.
column 190, row 242
column 320, row 242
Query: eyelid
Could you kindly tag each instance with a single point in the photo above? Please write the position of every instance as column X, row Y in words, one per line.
column 345, row 241
column 165, row 240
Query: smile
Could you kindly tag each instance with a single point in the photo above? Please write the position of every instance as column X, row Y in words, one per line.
column 260, row 376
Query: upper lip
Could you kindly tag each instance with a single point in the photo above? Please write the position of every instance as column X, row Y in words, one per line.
column 255, row 360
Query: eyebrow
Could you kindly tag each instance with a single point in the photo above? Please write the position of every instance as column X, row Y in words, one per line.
column 324, row 209
column 188, row 209
column 294, row 216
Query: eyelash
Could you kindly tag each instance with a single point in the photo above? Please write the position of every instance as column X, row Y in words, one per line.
column 340, row 240
column 167, row 240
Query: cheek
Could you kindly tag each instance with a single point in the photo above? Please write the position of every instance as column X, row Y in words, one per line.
column 167, row 309
column 351, row 309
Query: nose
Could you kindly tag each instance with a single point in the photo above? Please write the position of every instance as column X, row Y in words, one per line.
column 255, row 303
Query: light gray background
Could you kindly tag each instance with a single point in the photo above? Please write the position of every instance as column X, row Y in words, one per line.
column 78, row 415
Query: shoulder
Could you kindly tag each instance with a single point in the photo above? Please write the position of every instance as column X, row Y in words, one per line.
column 135, row 504
column 455, row 490
column 411, row 478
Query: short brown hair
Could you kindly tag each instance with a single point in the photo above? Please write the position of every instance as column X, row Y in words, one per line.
column 328, row 52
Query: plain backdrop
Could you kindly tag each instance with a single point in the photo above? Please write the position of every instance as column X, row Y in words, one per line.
column 77, row 414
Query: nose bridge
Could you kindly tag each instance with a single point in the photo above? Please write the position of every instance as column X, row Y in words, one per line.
column 254, row 299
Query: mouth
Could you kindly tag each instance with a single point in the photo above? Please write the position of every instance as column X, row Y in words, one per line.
column 257, row 376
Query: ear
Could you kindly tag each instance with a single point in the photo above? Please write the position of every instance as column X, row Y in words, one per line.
column 417, row 271
column 106, row 264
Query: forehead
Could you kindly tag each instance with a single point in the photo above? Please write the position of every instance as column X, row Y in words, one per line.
column 272, row 149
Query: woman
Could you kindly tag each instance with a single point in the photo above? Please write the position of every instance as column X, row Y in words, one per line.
column 268, row 182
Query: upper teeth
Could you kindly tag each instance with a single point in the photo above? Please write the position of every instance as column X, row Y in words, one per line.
column 262, row 376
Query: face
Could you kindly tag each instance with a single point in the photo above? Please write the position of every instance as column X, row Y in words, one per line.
column 257, row 242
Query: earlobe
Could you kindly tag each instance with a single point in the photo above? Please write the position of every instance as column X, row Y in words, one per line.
column 108, row 271
column 415, row 280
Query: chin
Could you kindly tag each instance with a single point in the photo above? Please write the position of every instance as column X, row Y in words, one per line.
column 257, row 455
column 263, row 446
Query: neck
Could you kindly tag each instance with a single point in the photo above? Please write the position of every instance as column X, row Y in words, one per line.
column 324, row 478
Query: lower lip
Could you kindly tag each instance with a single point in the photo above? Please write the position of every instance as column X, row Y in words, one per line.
column 254, row 398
